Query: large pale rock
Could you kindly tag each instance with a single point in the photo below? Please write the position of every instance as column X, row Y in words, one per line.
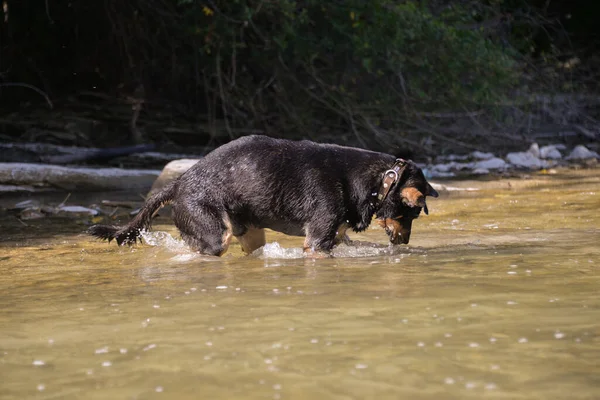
column 582, row 153
column 550, row 152
column 492, row 163
column 524, row 159
column 481, row 156
column 534, row 149
column 172, row 171
column 75, row 178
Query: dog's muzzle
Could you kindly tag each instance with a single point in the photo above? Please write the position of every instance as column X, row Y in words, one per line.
column 397, row 229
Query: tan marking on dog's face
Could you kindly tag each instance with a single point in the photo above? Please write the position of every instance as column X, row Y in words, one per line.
column 398, row 229
column 253, row 239
column 412, row 197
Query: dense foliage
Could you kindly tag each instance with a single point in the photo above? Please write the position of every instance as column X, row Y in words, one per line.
column 376, row 71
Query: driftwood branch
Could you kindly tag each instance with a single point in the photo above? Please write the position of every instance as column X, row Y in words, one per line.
column 28, row 86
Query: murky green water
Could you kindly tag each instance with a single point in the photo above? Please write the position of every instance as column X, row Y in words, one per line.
column 496, row 297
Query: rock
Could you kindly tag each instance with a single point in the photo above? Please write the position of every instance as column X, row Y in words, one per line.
column 172, row 171
column 492, row 163
column 439, row 174
column 443, row 167
column 31, row 213
column 481, row 156
column 76, row 211
column 75, row 178
column 581, row 153
column 550, row 152
column 525, row 159
column 21, row 188
column 22, row 205
column 534, row 149
column 451, row 157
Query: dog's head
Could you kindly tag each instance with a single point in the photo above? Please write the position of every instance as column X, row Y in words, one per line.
column 404, row 203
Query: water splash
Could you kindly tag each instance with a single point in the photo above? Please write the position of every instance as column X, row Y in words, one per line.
column 274, row 250
column 355, row 250
column 168, row 242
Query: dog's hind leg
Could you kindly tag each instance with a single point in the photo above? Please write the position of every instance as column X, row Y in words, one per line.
column 252, row 239
column 205, row 229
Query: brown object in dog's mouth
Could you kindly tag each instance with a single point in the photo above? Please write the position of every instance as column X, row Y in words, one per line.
column 398, row 229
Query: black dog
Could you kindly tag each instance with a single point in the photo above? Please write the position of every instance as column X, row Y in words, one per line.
column 296, row 187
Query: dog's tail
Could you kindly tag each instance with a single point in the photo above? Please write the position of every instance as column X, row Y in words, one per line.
column 130, row 233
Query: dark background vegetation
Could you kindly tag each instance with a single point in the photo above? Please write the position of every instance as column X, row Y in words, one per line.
column 434, row 76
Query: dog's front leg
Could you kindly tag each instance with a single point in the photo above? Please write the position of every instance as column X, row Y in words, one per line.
column 320, row 239
column 252, row 239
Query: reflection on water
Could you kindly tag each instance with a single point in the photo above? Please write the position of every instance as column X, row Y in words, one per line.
column 496, row 297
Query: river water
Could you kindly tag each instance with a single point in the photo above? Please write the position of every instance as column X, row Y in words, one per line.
column 497, row 296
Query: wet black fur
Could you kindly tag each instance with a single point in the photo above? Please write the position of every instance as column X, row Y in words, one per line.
column 295, row 187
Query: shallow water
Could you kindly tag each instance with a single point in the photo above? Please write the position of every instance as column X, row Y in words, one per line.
column 496, row 297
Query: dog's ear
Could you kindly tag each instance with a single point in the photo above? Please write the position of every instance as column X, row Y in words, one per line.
column 431, row 191
column 412, row 197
